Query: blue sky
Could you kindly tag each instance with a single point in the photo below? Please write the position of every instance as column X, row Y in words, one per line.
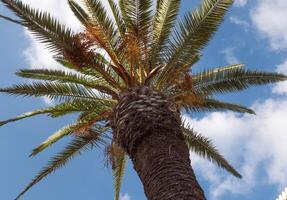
column 254, row 33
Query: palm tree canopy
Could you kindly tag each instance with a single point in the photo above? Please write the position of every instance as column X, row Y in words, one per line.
column 138, row 45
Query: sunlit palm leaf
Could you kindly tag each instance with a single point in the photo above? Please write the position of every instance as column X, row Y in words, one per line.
column 98, row 69
column 118, row 173
column 78, row 145
column 102, row 31
column 67, row 77
column 102, row 28
column 215, row 105
column 206, row 75
column 57, row 91
column 118, row 18
column 63, row 109
column 234, row 80
column 48, row 30
column 79, row 12
column 137, row 16
column 203, row 147
column 194, row 33
column 9, row 19
column 164, row 21
column 80, row 126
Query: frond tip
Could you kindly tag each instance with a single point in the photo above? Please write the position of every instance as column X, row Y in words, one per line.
column 204, row 148
column 78, row 145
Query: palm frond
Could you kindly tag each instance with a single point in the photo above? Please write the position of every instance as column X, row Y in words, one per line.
column 67, row 77
column 65, row 108
column 214, row 105
column 67, row 130
column 78, row 145
column 79, row 12
column 103, row 31
column 11, row 20
column 203, row 147
column 79, row 127
column 194, row 33
column 118, row 18
column 118, row 173
column 211, row 82
column 101, row 21
column 47, row 29
column 172, row 79
column 164, row 20
column 81, row 106
column 25, row 115
column 97, row 68
column 57, row 91
column 207, row 74
column 137, row 16
column 128, row 9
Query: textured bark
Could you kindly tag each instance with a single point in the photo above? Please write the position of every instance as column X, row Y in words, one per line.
column 147, row 126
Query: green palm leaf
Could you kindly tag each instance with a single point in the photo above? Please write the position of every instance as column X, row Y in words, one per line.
column 48, row 30
column 194, row 33
column 83, row 123
column 206, row 75
column 79, row 12
column 215, row 105
column 164, row 21
column 233, row 80
column 11, row 20
column 137, row 17
column 97, row 68
column 78, row 145
column 102, row 27
column 67, row 77
column 99, row 18
column 25, row 115
column 57, row 91
column 118, row 18
column 203, row 147
column 64, row 109
column 118, row 173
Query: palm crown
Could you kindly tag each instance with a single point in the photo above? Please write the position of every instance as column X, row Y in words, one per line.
column 139, row 46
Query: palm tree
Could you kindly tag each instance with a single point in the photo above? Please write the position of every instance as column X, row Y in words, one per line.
column 129, row 78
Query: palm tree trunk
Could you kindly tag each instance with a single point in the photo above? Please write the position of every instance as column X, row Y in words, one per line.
column 147, row 126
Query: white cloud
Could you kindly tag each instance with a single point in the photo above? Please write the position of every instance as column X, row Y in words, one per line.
column 270, row 18
column 281, row 88
column 230, row 56
column 251, row 143
column 240, row 3
column 125, row 197
column 240, row 22
column 36, row 53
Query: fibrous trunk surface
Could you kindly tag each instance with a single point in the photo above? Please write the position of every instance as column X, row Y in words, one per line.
column 147, row 126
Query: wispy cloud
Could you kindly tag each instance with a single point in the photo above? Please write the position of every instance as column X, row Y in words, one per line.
column 270, row 19
column 239, row 21
column 125, row 197
column 229, row 55
column 240, row 3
